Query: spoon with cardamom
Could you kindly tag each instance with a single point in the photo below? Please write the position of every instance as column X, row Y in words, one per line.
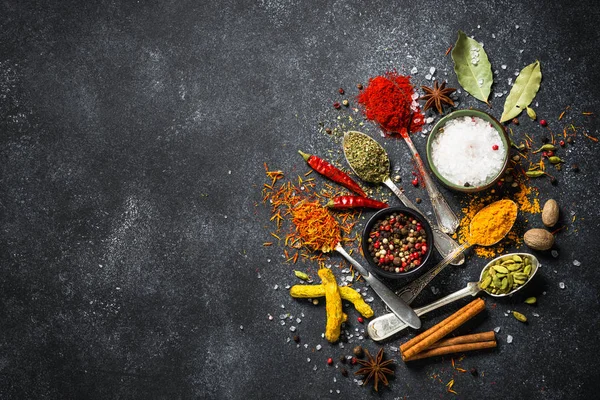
column 501, row 277
column 488, row 227
column 370, row 162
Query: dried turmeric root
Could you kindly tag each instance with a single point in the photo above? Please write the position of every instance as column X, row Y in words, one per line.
column 333, row 298
column 347, row 293
column 333, row 305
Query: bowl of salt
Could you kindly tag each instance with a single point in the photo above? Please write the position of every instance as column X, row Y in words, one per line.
column 468, row 150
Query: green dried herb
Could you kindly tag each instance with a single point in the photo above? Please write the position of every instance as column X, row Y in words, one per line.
column 523, row 91
column 366, row 157
column 472, row 67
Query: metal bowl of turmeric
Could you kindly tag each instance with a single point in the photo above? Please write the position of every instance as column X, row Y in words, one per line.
column 397, row 242
column 468, row 150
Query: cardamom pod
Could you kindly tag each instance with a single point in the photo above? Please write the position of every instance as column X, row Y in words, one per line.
column 514, row 267
column 485, row 282
column 500, row 268
column 530, row 300
column 519, row 316
column 535, row 174
column 301, row 275
column 531, row 113
column 555, row 160
column 546, row 147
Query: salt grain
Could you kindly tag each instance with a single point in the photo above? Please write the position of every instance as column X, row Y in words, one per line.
column 561, row 285
column 509, row 339
column 576, row 263
column 463, row 151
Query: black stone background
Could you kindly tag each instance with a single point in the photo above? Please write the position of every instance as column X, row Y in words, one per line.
column 133, row 137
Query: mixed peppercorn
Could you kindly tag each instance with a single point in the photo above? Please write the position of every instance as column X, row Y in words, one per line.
column 397, row 243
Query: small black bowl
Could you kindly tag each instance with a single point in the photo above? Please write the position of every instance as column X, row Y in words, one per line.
column 372, row 225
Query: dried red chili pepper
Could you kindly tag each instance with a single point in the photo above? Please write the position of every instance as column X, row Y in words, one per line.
column 345, row 202
column 332, row 172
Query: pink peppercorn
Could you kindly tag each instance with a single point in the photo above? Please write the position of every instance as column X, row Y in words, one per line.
column 495, row 147
column 543, row 122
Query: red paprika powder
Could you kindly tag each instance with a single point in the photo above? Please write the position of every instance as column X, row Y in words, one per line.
column 388, row 100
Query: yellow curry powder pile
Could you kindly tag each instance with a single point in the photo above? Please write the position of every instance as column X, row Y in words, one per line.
column 302, row 223
column 527, row 200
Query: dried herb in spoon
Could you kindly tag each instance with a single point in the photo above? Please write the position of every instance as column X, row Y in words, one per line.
column 366, row 157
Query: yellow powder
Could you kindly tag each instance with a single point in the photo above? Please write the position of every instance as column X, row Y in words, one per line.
column 526, row 198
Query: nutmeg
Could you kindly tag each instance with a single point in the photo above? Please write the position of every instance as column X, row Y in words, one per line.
column 538, row 239
column 550, row 213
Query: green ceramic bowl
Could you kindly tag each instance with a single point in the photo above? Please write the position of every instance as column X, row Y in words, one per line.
column 468, row 113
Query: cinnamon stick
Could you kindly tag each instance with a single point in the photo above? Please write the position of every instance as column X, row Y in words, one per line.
column 457, row 348
column 434, row 334
column 472, row 338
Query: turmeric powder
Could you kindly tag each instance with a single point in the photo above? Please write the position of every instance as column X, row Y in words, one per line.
column 493, row 222
column 522, row 193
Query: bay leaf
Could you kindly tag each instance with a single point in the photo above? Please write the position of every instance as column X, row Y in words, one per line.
column 523, row 91
column 472, row 67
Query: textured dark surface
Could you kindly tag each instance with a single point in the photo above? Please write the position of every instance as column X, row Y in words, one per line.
column 132, row 142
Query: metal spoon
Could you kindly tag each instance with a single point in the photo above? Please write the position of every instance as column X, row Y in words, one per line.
column 409, row 292
column 388, row 325
column 380, row 173
column 400, row 310
column 445, row 216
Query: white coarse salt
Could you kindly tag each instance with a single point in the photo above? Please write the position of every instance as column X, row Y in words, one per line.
column 468, row 150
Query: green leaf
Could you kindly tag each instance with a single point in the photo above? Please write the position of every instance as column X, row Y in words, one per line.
column 472, row 67
column 523, row 91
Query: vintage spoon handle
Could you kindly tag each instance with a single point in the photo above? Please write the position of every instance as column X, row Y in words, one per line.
column 442, row 242
column 400, row 309
column 448, row 221
column 409, row 292
column 383, row 327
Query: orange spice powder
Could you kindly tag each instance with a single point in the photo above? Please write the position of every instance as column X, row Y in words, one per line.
column 527, row 200
column 301, row 199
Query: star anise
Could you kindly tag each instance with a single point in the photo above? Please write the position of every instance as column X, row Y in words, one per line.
column 437, row 96
column 375, row 369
